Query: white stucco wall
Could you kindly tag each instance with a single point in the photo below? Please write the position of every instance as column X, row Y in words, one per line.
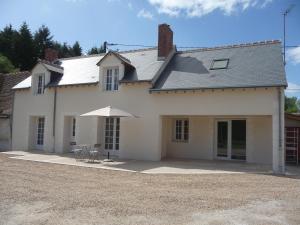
column 26, row 106
column 142, row 137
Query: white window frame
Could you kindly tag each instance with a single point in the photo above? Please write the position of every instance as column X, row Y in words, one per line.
column 111, row 79
column 181, row 130
column 40, row 83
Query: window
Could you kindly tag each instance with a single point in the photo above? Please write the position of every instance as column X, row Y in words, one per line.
column 112, row 79
column 40, row 131
column 73, row 127
column 219, row 64
column 40, row 84
column 181, row 130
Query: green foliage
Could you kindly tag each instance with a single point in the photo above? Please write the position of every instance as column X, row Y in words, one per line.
column 95, row 50
column 291, row 104
column 22, row 48
column 5, row 65
column 76, row 50
column 25, row 49
column 42, row 41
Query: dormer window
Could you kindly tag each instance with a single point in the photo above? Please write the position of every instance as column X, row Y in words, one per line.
column 40, row 84
column 112, row 79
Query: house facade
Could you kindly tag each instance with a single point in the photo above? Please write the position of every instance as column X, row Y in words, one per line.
column 213, row 103
column 7, row 81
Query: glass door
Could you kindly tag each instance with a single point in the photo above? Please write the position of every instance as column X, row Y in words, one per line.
column 222, row 139
column 40, row 133
column 231, row 139
column 238, row 139
column 112, row 135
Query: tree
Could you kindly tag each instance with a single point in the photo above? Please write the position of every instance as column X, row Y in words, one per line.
column 25, row 51
column 42, row 40
column 76, row 49
column 7, row 43
column 95, row 50
column 291, row 104
column 5, row 65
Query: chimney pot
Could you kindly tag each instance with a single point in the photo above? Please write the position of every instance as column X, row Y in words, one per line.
column 165, row 41
column 51, row 54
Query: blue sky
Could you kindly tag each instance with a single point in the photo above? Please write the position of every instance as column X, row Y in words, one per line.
column 200, row 23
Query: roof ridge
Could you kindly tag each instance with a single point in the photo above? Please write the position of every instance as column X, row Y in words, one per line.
column 102, row 54
column 241, row 45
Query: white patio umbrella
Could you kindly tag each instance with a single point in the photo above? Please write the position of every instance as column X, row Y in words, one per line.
column 109, row 112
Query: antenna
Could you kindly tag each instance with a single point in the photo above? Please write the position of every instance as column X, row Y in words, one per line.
column 285, row 13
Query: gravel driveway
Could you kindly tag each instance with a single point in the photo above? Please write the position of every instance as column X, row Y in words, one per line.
column 43, row 193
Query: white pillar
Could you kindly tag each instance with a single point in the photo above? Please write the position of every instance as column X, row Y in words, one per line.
column 278, row 134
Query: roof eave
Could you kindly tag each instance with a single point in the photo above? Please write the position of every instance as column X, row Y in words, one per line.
column 213, row 88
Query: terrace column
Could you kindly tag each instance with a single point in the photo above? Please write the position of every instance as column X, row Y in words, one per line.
column 278, row 134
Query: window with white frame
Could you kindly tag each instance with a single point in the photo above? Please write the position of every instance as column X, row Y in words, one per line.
column 181, row 130
column 112, row 79
column 40, row 84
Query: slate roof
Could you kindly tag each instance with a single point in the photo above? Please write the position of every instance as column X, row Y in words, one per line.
column 83, row 69
column 7, row 81
column 250, row 65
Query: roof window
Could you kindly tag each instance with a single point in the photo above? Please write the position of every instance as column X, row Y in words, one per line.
column 219, row 64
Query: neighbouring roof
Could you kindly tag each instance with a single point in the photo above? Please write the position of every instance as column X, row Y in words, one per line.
column 7, row 81
column 250, row 65
column 84, row 69
column 292, row 116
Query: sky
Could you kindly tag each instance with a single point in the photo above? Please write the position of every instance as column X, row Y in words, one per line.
column 195, row 23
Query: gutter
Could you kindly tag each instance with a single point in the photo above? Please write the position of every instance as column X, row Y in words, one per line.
column 211, row 88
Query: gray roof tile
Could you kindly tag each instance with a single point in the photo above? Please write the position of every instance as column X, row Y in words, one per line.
column 256, row 65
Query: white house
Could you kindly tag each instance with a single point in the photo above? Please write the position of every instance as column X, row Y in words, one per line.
column 213, row 103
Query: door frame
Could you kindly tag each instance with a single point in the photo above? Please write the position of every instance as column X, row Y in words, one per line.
column 229, row 146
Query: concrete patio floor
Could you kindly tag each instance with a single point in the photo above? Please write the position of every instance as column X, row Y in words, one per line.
column 167, row 166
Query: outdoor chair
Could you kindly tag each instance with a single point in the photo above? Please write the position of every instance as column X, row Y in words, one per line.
column 95, row 153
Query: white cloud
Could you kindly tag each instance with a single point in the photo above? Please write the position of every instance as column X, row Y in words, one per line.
column 293, row 55
column 197, row 8
column 292, row 88
column 145, row 14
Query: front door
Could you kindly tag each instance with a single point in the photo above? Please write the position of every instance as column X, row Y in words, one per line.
column 40, row 133
column 112, row 135
column 231, row 139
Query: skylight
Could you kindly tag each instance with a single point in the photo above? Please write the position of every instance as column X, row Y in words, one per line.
column 219, row 64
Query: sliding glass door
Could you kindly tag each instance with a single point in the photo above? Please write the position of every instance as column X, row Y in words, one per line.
column 231, row 139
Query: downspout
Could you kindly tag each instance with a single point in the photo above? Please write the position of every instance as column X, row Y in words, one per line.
column 11, row 117
column 54, row 117
column 280, row 129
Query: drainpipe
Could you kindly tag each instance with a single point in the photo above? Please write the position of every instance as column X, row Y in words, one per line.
column 11, row 117
column 281, row 124
column 54, row 117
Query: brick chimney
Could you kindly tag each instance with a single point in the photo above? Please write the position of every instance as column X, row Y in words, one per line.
column 165, row 41
column 51, row 54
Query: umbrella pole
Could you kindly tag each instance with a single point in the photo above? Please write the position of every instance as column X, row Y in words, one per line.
column 107, row 154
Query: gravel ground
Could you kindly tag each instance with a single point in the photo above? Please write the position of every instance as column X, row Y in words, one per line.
column 43, row 193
